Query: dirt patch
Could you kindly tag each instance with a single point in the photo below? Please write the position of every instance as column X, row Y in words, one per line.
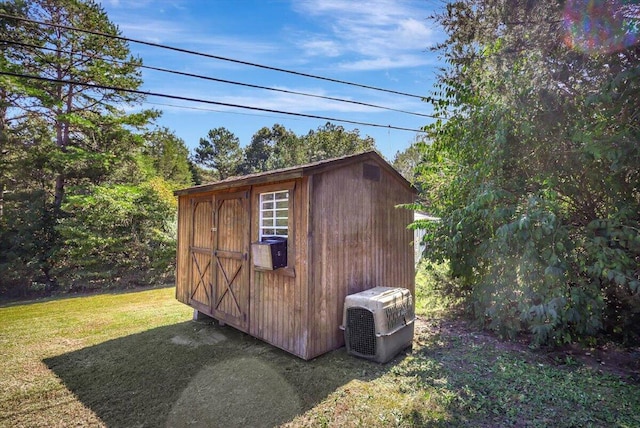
column 609, row 359
column 606, row 359
column 202, row 337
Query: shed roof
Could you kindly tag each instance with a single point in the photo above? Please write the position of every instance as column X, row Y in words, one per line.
column 295, row 172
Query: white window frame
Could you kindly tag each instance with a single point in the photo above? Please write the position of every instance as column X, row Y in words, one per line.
column 274, row 213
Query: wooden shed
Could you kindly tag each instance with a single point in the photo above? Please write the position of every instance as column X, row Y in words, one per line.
column 343, row 234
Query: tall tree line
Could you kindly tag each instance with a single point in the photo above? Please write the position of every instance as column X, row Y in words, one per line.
column 534, row 165
column 221, row 156
column 86, row 187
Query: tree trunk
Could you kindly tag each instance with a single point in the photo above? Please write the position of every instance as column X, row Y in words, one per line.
column 3, row 151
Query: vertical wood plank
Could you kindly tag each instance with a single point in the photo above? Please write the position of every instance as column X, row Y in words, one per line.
column 347, row 236
column 359, row 242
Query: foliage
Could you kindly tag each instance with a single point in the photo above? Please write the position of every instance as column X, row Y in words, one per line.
column 331, row 140
column 534, row 170
column 27, row 226
column 27, row 243
column 267, row 148
column 274, row 148
column 85, row 121
column 288, row 149
column 167, row 156
column 406, row 161
column 220, row 152
column 86, row 188
column 434, row 297
column 279, row 148
column 131, row 226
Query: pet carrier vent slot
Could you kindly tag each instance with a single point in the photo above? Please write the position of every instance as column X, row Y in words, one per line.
column 362, row 329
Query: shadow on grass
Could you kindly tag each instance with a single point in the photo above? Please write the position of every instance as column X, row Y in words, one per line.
column 201, row 374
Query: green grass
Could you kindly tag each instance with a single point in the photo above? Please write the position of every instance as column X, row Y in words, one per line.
column 31, row 394
column 479, row 383
column 431, row 300
column 457, row 376
column 136, row 359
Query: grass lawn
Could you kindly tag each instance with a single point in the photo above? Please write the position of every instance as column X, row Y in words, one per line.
column 136, row 359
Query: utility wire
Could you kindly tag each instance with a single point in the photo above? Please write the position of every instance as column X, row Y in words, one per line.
column 231, row 82
column 221, row 58
column 198, row 100
column 208, row 109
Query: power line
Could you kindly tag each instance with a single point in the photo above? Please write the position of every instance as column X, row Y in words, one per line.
column 286, row 91
column 208, row 109
column 206, row 55
column 198, row 100
column 231, row 82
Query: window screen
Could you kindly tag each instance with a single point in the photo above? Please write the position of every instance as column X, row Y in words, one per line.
column 274, row 214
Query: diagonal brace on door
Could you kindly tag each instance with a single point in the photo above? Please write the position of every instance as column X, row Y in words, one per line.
column 228, row 285
column 201, row 274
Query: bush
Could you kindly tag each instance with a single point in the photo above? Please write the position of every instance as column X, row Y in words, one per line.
column 118, row 234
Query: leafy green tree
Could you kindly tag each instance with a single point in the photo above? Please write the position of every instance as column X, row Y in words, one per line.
column 28, row 238
column 407, row 161
column 168, row 156
column 83, row 134
column 121, row 234
column 197, row 174
column 259, row 151
column 279, row 147
column 533, row 169
column 288, row 148
column 220, row 152
column 88, row 127
column 331, row 140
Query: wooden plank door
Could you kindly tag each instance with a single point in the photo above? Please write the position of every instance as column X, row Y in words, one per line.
column 230, row 255
column 200, row 252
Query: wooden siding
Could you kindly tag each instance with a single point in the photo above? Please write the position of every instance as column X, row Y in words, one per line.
column 359, row 241
column 278, row 298
column 182, row 249
column 345, row 236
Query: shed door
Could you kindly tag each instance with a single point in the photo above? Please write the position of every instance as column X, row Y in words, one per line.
column 200, row 250
column 230, row 255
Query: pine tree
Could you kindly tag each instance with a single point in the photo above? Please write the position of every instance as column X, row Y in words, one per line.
column 68, row 132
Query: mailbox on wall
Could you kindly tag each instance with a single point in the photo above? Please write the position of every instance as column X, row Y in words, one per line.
column 270, row 253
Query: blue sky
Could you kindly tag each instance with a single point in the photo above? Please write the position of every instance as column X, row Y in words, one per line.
column 382, row 43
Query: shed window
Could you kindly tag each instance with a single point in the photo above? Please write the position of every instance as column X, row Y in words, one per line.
column 274, row 214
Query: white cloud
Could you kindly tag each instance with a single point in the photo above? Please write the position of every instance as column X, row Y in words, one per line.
column 178, row 34
column 155, row 31
column 280, row 101
column 277, row 102
column 318, row 47
column 380, row 33
column 384, row 63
